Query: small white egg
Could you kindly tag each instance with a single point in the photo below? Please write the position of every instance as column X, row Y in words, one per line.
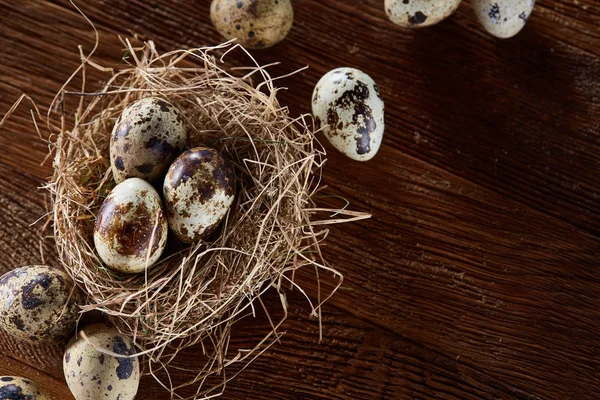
column 131, row 228
column 419, row 13
column 38, row 304
column 346, row 103
column 94, row 375
column 199, row 189
column 146, row 138
column 503, row 18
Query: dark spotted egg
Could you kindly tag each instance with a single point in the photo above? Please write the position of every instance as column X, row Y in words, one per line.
column 95, row 375
column 419, row 13
column 38, row 304
column 503, row 18
column 146, row 138
column 347, row 105
column 198, row 190
column 256, row 24
column 131, row 228
column 16, row 388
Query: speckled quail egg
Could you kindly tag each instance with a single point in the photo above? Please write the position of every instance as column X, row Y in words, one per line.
column 94, row 375
column 131, row 228
column 347, row 105
column 198, row 190
column 146, row 138
column 503, row 18
column 15, row 388
column 38, row 304
column 255, row 23
column 419, row 13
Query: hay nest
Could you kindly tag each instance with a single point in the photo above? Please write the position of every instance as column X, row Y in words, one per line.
column 194, row 295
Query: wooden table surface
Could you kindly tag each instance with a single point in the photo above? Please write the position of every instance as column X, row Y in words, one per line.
column 478, row 276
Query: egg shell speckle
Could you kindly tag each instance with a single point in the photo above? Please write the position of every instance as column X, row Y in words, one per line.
column 146, row 138
column 93, row 375
column 503, row 18
column 255, row 23
column 16, row 388
column 198, row 190
column 419, row 13
column 125, row 225
column 346, row 103
column 32, row 301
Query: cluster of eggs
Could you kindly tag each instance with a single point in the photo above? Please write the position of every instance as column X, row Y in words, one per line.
column 40, row 304
column 263, row 23
column 501, row 18
column 148, row 147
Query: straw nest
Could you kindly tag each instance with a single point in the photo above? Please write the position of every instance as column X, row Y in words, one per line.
column 194, row 295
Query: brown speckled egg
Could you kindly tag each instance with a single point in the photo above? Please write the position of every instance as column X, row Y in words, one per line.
column 347, row 105
column 131, row 227
column 94, row 375
column 256, row 24
column 146, row 138
column 419, row 13
column 198, row 190
column 16, row 388
column 38, row 304
column 503, row 18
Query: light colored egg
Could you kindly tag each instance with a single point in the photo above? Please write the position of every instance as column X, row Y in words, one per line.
column 503, row 18
column 199, row 189
column 146, row 138
column 255, row 23
column 347, row 105
column 131, row 228
column 419, row 13
column 38, row 304
column 94, row 375
column 14, row 387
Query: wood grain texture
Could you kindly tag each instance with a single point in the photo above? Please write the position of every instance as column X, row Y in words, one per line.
column 478, row 275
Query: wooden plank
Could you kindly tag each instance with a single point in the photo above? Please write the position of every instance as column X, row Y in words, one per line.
column 482, row 256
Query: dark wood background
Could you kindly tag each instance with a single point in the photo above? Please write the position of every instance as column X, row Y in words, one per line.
column 478, row 276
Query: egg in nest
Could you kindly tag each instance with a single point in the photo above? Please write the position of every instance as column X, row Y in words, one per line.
column 199, row 189
column 131, row 228
column 146, row 138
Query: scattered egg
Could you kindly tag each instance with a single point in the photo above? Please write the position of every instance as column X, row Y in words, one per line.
column 14, row 387
column 95, row 375
column 131, row 227
column 503, row 18
column 255, row 23
column 38, row 304
column 146, row 138
column 346, row 103
column 199, row 189
column 419, row 13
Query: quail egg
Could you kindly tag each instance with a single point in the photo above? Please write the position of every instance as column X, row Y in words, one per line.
column 95, row 375
column 419, row 13
column 131, row 228
column 503, row 18
column 199, row 189
column 38, row 304
column 347, row 105
column 255, row 23
column 14, row 387
column 146, row 138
